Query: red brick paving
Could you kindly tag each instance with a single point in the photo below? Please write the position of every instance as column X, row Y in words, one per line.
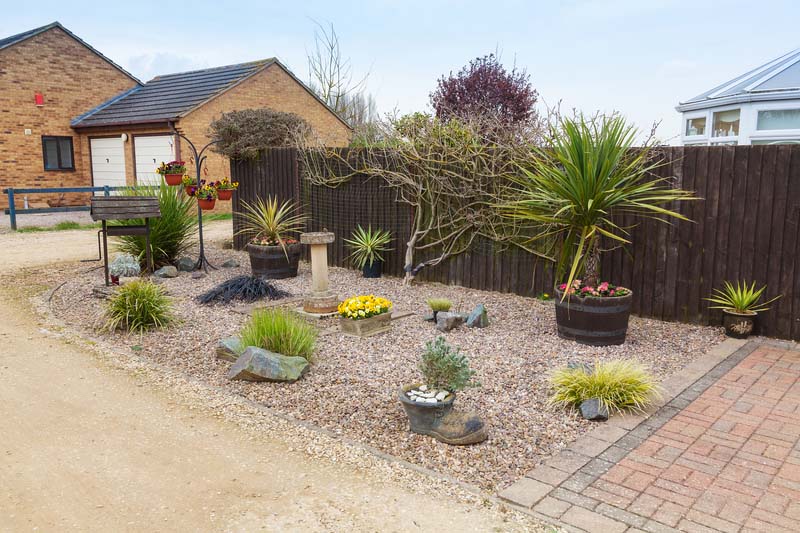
column 729, row 461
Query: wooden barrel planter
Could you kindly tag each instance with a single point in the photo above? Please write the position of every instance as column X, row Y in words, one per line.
column 270, row 262
column 593, row 321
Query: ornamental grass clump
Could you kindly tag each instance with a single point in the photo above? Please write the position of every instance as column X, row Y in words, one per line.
column 138, row 306
column 444, row 367
column 280, row 331
column 439, row 304
column 243, row 288
column 618, row 384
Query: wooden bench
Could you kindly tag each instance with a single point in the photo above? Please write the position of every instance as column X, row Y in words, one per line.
column 105, row 208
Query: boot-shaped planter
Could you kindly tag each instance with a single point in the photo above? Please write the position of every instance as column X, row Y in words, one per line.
column 435, row 417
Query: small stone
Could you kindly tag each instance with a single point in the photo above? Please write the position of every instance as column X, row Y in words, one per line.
column 198, row 275
column 423, row 388
column 185, row 264
column 592, row 409
column 229, row 348
column 447, row 321
column 478, row 318
column 587, row 367
column 230, row 263
column 441, row 395
column 168, row 271
column 428, row 318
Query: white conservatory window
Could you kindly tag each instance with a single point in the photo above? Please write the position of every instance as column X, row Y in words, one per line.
column 726, row 123
column 696, row 126
column 778, row 119
column 775, row 141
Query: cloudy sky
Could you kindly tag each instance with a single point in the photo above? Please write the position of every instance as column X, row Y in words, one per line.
column 639, row 57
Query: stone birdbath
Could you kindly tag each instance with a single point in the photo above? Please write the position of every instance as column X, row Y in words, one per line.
column 321, row 300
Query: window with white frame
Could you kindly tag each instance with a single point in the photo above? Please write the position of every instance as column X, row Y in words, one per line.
column 695, row 126
column 778, row 119
column 726, row 123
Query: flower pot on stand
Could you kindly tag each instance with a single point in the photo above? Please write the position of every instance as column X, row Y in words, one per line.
column 206, row 204
column 271, row 262
column 372, row 270
column 189, row 190
column 173, row 179
column 593, row 320
column 738, row 325
column 224, row 194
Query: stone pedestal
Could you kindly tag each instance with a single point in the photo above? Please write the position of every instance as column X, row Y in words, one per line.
column 321, row 300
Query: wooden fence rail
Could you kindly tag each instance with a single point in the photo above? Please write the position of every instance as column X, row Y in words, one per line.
column 745, row 227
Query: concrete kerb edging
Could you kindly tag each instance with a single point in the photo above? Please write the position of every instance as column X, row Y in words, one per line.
column 602, row 447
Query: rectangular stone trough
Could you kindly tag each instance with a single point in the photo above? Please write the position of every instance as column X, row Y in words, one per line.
column 366, row 327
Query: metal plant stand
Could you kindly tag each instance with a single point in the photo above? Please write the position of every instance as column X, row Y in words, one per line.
column 199, row 158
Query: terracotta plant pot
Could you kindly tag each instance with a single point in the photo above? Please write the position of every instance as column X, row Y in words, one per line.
column 270, row 262
column 173, row 179
column 206, row 205
column 738, row 325
column 366, row 327
column 224, row 194
column 591, row 320
column 188, row 189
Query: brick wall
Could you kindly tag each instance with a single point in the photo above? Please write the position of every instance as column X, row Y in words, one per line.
column 73, row 79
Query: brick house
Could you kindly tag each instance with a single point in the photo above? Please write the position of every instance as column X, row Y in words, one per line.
column 70, row 116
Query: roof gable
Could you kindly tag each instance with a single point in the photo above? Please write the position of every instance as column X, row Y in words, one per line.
column 24, row 36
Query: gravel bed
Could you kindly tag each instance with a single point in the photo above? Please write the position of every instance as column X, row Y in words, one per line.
column 352, row 386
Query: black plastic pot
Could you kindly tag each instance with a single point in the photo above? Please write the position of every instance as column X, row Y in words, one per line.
column 372, row 270
column 423, row 416
column 591, row 320
column 270, row 262
column 738, row 325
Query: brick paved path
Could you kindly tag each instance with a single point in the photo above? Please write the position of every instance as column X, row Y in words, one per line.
column 723, row 455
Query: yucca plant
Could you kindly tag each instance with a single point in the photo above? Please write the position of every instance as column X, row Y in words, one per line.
column 280, row 331
column 367, row 245
column 138, row 306
column 570, row 191
column 269, row 223
column 171, row 235
column 618, row 385
column 740, row 298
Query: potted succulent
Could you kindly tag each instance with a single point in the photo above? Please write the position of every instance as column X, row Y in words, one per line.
column 173, row 172
column 565, row 201
column 740, row 306
column 364, row 316
column 367, row 246
column 206, row 197
column 429, row 405
column 189, row 184
column 274, row 253
column 225, row 188
column 438, row 305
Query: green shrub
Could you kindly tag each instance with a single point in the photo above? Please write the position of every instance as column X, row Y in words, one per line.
column 172, row 234
column 439, row 304
column 138, row 306
column 444, row 367
column 618, row 384
column 280, row 331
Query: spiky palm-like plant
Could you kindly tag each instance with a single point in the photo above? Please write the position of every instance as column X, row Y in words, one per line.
column 271, row 222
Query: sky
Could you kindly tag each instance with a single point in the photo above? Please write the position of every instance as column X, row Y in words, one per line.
column 636, row 57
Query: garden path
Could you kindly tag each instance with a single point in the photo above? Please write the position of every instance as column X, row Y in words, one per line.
column 88, row 447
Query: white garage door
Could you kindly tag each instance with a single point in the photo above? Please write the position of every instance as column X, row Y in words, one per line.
column 151, row 151
column 108, row 162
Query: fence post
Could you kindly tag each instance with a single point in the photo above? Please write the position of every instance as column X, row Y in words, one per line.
column 12, row 211
column 106, row 191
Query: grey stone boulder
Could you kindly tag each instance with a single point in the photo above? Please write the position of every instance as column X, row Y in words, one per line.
column 592, row 409
column 185, row 264
column 446, row 321
column 428, row 317
column 198, row 275
column 168, row 271
column 588, row 368
column 231, row 263
column 478, row 318
column 256, row 364
column 229, row 348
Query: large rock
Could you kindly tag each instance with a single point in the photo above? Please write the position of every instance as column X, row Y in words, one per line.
column 446, row 321
column 229, row 348
column 256, row 364
column 185, row 264
column 168, row 271
column 592, row 409
column 478, row 318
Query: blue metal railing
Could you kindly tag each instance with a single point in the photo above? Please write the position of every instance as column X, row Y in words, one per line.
column 12, row 211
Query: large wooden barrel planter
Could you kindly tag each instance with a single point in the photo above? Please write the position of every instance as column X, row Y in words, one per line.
column 270, row 262
column 593, row 321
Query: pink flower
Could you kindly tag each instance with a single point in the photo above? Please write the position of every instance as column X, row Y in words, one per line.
column 562, row 286
column 611, row 293
column 603, row 286
column 587, row 289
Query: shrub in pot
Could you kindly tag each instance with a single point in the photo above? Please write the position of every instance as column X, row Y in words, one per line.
column 367, row 246
column 274, row 253
column 740, row 306
column 565, row 200
column 364, row 316
column 429, row 405
column 173, row 172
